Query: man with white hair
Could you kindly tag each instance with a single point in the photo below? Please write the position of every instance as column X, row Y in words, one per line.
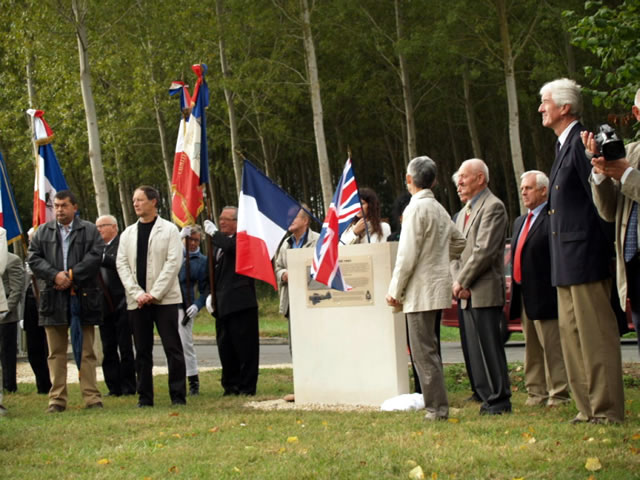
column 479, row 286
column 581, row 253
column 616, row 193
column 534, row 299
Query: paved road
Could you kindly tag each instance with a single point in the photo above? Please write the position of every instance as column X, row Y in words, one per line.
column 278, row 354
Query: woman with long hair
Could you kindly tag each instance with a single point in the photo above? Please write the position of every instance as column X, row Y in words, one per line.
column 378, row 230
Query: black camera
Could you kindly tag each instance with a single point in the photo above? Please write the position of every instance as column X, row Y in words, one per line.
column 609, row 144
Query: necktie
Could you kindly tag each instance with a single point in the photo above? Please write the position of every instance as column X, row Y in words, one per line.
column 631, row 237
column 467, row 214
column 558, row 148
column 517, row 269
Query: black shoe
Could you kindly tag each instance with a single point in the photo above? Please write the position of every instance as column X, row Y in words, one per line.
column 112, row 394
column 178, row 401
column 144, row 405
column 473, row 398
column 194, row 385
column 495, row 410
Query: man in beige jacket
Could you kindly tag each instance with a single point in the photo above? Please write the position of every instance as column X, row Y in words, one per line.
column 421, row 282
column 616, row 193
column 148, row 261
column 480, row 287
column 3, row 299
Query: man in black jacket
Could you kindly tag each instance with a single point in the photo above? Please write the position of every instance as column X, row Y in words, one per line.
column 235, row 309
column 581, row 253
column 118, row 364
column 64, row 256
column 534, row 299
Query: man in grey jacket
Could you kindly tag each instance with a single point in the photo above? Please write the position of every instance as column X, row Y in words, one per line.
column 13, row 280
column 64, row 256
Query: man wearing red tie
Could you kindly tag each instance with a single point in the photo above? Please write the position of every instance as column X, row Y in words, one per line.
column 534, row 299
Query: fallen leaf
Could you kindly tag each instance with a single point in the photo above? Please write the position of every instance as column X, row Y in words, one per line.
column 174, row 414
column 236, row 469
column 325, row 423
column 282, row 450
column 593, row 464
column 606, row 440
column 243, row 424
column 434, row 476
column 176, row 435
column 173, row 469
column 298, row 421
column 517, row 478
column 104, row 461
column 532, row 440
column 635, row 436
column 634, row 450
column 214, row 429
column 292, row 439
column 453, row 420
column 416, row 473
column 412, row 463
column 591, row 439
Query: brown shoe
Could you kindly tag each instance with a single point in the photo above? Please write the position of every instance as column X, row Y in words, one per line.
column 55, row 408
column 95, row 405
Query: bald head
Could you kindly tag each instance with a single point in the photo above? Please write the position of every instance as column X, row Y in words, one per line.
column 108, row 227
column 473, row 177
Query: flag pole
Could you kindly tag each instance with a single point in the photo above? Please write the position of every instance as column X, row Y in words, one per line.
column 364, row 217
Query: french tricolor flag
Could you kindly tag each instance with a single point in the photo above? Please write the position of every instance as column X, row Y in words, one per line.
column 49, row 177
column 265, row 212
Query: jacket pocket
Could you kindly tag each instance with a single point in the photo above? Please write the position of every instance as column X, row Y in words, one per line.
column 578, row 236
column 91, row 300
column 47, row 302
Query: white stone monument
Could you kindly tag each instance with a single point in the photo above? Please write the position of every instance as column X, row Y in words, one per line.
column 348, row 347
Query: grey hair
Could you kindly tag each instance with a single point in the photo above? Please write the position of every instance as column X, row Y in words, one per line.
column 479, row 165
column 111, row 218
column 541, row 179
column 231, row 207
column 637, row 99
column 423, row 171
column 565, row 91
column 196, row 229
column 454, row 177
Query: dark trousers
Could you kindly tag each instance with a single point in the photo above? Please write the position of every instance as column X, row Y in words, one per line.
column 487, row 360
column 165, row 318
column 465, row 350
column 8, row 355
column 633, row 292
column 239, row 350
column 37, row 349
column 118, row 364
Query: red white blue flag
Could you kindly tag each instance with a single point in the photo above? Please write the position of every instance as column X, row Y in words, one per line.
column 265, row 212
column 9, row 219
column 49, row 177
column 190, row 165
column 345, row 206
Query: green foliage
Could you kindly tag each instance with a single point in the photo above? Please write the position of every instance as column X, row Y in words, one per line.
column 611, row 35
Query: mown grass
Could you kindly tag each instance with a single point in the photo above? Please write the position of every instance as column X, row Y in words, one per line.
column 219, row 437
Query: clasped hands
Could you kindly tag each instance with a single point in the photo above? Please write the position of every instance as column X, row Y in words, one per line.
column 144, row 299
column 610, row 168
column 62, row 281
column 459, row 292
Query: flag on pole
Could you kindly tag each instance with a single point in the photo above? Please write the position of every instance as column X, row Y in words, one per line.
column 9, row 219
column 265, row 212
column 190, row 165
column 49, row 176
column 344, row 206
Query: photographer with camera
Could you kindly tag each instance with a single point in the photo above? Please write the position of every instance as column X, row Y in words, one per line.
column 615, row 183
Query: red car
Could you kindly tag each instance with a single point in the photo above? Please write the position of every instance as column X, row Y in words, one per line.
column 507, row 326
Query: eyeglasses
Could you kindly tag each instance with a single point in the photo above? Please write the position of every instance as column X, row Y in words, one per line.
column 99, row 227
column 228, row 219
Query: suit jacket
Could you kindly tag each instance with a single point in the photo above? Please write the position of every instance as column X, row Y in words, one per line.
column 540, row 297
column 614, row 202
column 481, row 265
column 429, row 240
column 281, row 266
column 164, row 259
column 234, row 292
column 13, row 280
column 111, row 278
column 581, row 243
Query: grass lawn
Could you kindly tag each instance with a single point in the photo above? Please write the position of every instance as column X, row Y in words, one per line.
column 218, row 437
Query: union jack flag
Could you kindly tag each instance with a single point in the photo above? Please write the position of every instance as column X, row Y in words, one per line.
column 345, row 206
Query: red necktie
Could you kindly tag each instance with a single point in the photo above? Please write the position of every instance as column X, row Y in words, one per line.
column 517, row 269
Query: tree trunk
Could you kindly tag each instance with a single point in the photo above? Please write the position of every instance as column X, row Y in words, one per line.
column 95, row 155
column 32, row 95
column 228, row 95
column 268, row 162
column 471, row 118
column 512, row 96
column 316, row 105
column 166, row 158
column 407, row 93
column 125, row 198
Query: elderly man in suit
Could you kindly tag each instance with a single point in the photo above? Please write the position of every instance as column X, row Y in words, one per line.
column 13, row 281
column 3, row 300
column 580, row 265
column 479, row 285
column 534, row 299
column 616, row 192
column 236, row 310
column 421, row 282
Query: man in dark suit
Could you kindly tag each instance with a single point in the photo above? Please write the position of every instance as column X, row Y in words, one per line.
column 534, row 299
column 479, row 286
column 235, row 308
column 118, row 364
column 13, row 280
column 581, row 256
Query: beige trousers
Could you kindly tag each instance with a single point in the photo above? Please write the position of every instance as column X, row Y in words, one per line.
column 591, row 347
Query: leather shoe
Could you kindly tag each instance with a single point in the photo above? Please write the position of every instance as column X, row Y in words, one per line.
column 578, row 419
column 495, row 410
column 473, row 398
column 534, row 402
column 95, row 405
column 144, row 405
column 432, row 417
column 178, row 402
column 55, row 408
